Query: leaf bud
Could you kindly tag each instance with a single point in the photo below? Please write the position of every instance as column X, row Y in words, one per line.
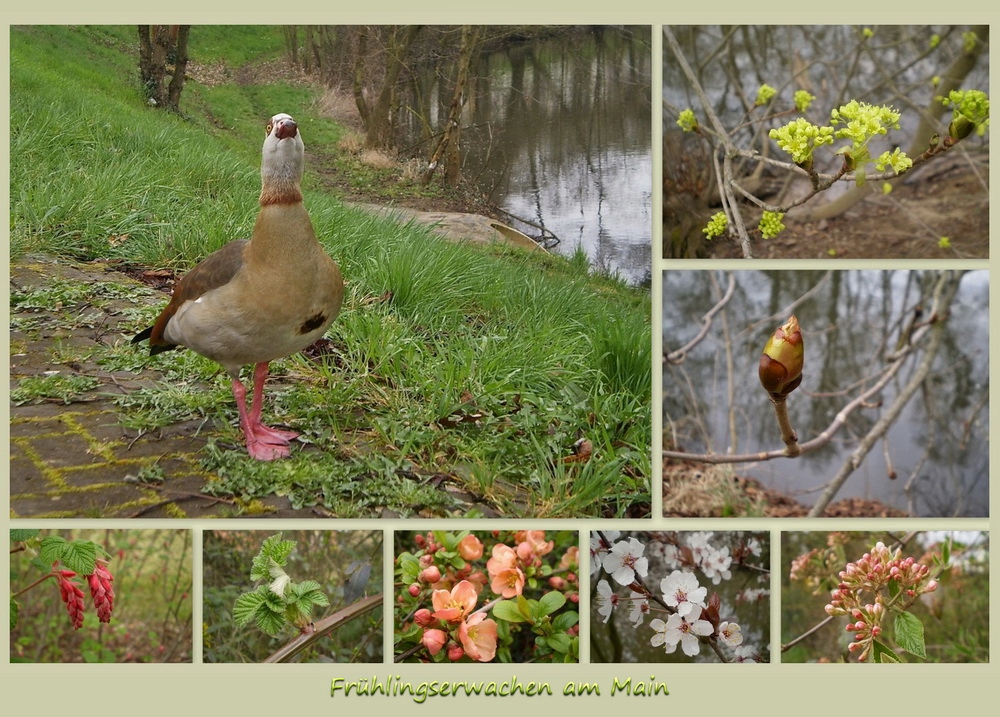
column 780, row 367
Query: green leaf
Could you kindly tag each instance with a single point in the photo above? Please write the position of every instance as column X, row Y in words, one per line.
column 409, row 567
column 245, row 607
column 894, row 589
column 551, row 601
column 51, row 549
column 78, row 556
column 881, row 653
column 910, row 633
column 302, row 597
column 19, row 534
column 946, row 551
column 560, row 642
column 565, row 620
column 524, row 607
column 447, row 540
column 507, row 610
column 269, row 622
column 273, row 549
column 14, row 608
column 313, row 591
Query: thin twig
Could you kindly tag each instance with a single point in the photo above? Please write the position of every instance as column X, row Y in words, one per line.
column 706, row 324
column 944, row 292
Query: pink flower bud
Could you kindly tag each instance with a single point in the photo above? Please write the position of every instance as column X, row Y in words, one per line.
column 430, row 575
column 423, row 617
column 456, row 653
column 434, row 640
column 414, row 589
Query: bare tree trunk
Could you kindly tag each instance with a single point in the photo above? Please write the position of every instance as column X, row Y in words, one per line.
column 291, row 35
column 358, row 79
column 180, row 67
column 379, row 124
column 447, row 153
column 156, row 44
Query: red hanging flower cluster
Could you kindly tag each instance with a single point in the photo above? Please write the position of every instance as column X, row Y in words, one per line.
column 101, row 591
column 72, row 595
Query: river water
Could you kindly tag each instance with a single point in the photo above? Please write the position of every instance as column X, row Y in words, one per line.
column 558, row 133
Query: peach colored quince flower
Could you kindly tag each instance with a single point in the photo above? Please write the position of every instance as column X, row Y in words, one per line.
column 470, row 548
column 508, row 583
column 504, row 558
column 570, row 559
column 533, row 541
column 453, row 605
column 479, row 637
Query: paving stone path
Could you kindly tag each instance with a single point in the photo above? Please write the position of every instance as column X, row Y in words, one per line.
column 76, row 460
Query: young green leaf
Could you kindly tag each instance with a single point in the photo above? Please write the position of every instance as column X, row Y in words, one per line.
column 280, row 582
column 524, row 607
column 550, row 602
column 881, row 653
column 560, row 642
column 78, row 556
column 565, row 620
column 273, row 549
column 507, row 610
column 245, row 607
column 19, row 534
column 910, row 633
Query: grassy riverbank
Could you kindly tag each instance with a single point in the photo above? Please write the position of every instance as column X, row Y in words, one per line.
column 477, row 366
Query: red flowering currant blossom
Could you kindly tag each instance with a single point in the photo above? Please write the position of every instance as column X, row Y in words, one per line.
column 72, row 595
column 101, row 591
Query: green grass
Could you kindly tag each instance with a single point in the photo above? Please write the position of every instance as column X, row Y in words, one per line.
column 479, row 365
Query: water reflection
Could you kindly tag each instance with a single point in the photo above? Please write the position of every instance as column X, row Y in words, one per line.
column 851, row 320
column 560, row 135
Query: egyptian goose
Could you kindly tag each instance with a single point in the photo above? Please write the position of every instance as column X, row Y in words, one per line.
column 258, row 299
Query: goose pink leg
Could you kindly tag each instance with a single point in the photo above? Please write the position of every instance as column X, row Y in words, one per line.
column 263, row 443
